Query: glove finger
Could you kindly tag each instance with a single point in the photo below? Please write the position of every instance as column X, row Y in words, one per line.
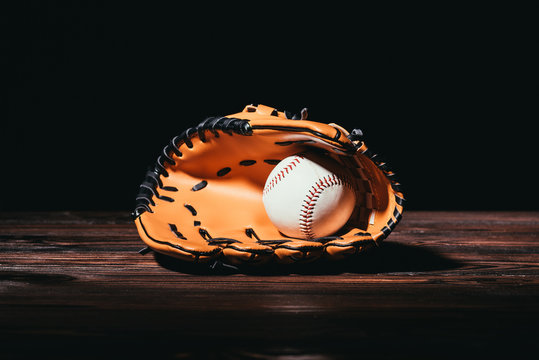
column 177, row 246
column 298, row 251
column 348, row 245
column 239, row 253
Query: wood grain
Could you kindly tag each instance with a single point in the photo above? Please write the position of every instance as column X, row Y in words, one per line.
column 444, row 285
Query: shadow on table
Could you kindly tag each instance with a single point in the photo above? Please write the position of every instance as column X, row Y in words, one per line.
column 389, row 258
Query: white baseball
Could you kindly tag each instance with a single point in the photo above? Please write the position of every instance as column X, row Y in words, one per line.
column 305, row 199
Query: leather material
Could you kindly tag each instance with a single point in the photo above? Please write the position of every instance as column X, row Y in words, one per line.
column 203, row 200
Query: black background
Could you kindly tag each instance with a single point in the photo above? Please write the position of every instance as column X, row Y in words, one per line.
column 94, row 91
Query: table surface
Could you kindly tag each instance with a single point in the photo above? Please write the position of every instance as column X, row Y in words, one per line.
column 443, row 285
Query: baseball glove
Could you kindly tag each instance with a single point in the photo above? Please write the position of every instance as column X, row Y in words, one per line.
column 202, row 200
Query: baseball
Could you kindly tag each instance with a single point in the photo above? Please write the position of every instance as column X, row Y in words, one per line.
column 308, row 197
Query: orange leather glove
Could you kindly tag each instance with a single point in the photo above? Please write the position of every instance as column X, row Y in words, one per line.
column 202, row 200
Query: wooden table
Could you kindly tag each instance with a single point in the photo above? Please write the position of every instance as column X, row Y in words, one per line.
column 444, row 285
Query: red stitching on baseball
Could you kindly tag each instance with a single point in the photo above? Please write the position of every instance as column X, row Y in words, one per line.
column 306, row 214
column 281, row 175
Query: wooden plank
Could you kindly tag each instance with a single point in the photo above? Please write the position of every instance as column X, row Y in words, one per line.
column 445, row 284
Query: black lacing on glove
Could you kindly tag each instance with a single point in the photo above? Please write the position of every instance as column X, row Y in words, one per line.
column 152, row 184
